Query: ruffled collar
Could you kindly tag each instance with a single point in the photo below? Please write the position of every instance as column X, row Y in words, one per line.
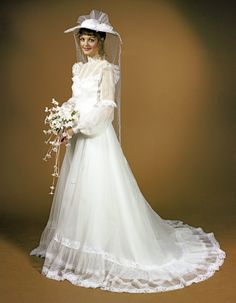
column 94, row 59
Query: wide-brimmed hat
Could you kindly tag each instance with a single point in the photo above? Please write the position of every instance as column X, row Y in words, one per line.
column 97, row 21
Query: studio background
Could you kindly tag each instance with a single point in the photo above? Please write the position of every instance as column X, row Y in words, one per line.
column 178, row 112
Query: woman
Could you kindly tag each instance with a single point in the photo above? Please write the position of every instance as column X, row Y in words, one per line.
column 101, row 231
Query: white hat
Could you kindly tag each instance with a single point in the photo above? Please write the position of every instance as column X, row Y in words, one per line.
column 97, row 21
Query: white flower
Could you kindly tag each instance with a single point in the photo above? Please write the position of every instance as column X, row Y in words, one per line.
column 58, row 119
column 54, row 101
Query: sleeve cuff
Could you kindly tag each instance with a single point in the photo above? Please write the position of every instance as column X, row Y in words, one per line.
column 105, row 102
column 75, row 129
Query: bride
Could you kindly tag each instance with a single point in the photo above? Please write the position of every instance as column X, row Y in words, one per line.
column 101, row 231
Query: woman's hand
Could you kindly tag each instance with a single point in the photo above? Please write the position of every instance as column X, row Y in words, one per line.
column 70, row 132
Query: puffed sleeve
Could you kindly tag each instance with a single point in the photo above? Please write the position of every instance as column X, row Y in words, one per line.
column 102, row 114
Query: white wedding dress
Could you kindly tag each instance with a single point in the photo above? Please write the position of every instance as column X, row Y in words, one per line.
column 101, row 231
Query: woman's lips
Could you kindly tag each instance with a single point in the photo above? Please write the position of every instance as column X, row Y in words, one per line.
column 87, row 49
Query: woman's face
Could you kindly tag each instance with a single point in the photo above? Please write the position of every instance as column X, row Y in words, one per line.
column 89, row 45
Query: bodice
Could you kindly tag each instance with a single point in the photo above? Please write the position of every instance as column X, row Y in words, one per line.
column 93, row 94
column 86, row 90
column 86, row 81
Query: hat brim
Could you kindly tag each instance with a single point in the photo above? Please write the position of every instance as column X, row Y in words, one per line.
column 72, row 29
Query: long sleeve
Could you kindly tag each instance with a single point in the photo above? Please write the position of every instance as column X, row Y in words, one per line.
column 68, row 103
column 101, row 115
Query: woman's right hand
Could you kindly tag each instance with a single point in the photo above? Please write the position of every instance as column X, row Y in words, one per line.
column 64, row 140
column 70, row 132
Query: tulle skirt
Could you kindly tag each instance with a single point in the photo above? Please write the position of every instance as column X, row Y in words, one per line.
column 101, row 231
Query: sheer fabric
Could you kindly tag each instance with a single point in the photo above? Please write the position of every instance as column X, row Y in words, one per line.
column 99, row 21
column 101, row 231
column 97, row 110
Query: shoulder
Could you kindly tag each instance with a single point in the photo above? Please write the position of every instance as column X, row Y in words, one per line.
column 113, row 69
column 76, row 67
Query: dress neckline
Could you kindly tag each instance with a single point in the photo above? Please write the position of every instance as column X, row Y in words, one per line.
column 94, row 59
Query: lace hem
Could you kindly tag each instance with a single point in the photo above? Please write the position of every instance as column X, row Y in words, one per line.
column 90, row 267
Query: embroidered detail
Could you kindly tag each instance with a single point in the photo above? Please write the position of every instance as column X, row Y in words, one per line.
column 116, row 72
column 115, row 69
column 91, row 267
column 76, row 68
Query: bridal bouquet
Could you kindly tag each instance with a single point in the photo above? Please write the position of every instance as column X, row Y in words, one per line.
column 59, row 119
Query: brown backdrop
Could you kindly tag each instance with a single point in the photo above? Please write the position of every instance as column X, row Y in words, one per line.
column 178, row 105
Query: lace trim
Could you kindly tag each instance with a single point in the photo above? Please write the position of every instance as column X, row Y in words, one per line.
column 107, row 256
column 116, row 71
column 134, row 285
column 76, row 68
column 104, row 285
